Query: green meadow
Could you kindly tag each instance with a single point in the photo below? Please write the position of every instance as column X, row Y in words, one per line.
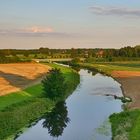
column 108, row 67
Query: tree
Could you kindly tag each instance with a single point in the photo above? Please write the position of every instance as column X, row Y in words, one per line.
column 54, row 84
column 76, row 60
column 26, row 54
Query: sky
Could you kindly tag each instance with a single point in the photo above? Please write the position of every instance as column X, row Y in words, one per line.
column 27, row 24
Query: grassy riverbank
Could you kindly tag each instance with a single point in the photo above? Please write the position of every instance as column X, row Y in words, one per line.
column 126, row 125
column 21, row 108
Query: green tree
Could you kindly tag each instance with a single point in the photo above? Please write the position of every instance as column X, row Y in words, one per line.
column 76, row 60
column 54, row 86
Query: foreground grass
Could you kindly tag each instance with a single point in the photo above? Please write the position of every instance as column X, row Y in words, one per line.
column 20, row 115
column 17, row 97
column 21, row 108
column 126, row 125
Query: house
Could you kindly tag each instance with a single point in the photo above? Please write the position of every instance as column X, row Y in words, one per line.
column 100, row 53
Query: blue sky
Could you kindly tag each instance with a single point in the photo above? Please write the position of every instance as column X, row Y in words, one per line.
column 69, row 23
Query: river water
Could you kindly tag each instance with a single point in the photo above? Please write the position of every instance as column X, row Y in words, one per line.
column 84, row 115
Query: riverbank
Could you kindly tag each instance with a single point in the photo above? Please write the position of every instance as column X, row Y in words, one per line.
column 21, row 108
column 127, row 74
column 131, row 89
column 125, row 125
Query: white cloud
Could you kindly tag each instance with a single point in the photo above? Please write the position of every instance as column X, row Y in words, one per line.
column 34, row 31
column 37, row 29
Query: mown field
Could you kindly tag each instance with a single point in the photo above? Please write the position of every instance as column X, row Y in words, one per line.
column 19, row 109
column 109, row 67
column 17, row 76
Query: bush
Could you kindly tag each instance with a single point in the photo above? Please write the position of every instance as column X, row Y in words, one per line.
column 54, row 86
column 75, row 60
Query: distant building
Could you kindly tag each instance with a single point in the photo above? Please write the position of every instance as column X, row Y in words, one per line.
column 100, row 54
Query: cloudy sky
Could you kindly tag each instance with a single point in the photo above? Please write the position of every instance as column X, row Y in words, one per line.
column 69, row 23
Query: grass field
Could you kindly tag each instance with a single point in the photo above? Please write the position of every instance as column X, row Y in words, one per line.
column 20, row 96
column 18, row 110
column 108, row 68
column 33, row 91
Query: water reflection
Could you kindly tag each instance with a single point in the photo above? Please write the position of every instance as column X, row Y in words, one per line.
column 56, row 121
column 88, row 109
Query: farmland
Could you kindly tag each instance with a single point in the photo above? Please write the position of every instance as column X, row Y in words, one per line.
column 15, row 77
column 30, row 103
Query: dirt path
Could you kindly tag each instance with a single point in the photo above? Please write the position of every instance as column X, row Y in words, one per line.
column 130, row 82
column 15, row 77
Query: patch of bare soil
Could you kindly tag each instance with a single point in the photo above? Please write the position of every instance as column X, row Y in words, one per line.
column 130, row 82
column 15, row 77
column 125, row 74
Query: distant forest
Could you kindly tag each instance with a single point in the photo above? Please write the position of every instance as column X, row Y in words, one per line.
column 18, row 55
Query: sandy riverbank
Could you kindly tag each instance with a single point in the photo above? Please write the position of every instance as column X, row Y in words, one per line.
column 130, row 82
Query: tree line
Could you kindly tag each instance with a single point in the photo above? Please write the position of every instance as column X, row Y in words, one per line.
column 14, row 55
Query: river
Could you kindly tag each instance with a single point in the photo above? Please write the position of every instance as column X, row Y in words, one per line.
column 84, row 115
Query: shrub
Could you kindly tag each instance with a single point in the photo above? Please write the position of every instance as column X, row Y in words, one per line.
column 54, row 86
